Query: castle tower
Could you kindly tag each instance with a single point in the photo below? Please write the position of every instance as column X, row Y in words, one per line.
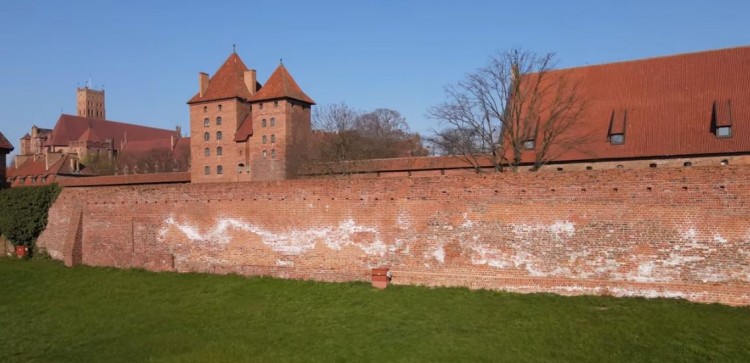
column 5, row 148
column 91, row 103
column 240, row 131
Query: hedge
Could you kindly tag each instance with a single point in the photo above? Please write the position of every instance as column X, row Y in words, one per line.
column 23, row 212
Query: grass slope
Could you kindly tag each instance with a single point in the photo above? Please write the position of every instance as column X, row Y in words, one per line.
column 49, row 313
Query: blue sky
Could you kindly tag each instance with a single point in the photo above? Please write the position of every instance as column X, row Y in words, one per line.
column 388, row 53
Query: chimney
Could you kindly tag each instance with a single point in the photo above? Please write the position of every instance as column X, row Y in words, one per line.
column 172, row 141
column 250, row 81
column 202, row 83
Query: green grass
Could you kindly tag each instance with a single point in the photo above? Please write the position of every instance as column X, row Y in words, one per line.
column 49, row 313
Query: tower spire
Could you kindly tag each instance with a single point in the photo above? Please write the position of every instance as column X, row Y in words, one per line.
column 234, row 48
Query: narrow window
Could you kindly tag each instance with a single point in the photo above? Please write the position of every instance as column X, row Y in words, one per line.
column 206, row 136
column 240, row 168
column 218, row 121
column 219, row 107
column 273, row 154
column 264, row 154
column 264, row 139
column 205, row 108
column 218, row 135
column 206, row 122
column 219, row 151
column 529, row 144
column 206, row 152
column 219, row 169
column 273, row 139
column 273, row 121
column 260, row 106
column 207, row 170
column 275, row 104
column 617, row 139
column 263, row 123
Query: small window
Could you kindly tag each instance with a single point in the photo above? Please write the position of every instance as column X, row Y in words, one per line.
column 240, row 168
column 529, row 144
column 206, row 152
column 724, row 131
column 218, row 135
column 265, row 139
column 219, row 170
column 273, row 121
column 264, row 154
column 218, row 121
column 206, row 136
column 273, row 139
column 617, row 139
column 275, row 104
column 260, row 106
column 263, row 123
column 273, row 154
column 207, row 170
column 219, row 107
column 206, row 122
column 205, row 108
column 219, row 151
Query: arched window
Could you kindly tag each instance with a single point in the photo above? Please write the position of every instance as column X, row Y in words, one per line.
column 219, row 107
column 218, row 135
column 205, row 108
column 218, row 121
column 206, row 152
column 273, row 138
column 207, row 170
column 273, row 121
column 264, row 154
column 263, row 123
column 206, row 122
column 273, row 154
column 206, row 136
column 219, row 151
column 240, row 168
column 219, row 169
column 265, row 139
column 275, row 104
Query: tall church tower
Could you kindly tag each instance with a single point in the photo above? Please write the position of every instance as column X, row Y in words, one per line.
column 242, row 131
column 91, row 103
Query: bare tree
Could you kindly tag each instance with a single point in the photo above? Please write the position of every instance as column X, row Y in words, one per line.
column 515, row 104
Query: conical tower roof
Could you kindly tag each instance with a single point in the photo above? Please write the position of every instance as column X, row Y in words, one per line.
column 281, row 85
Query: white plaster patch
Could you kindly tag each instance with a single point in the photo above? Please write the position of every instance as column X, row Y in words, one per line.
column 468, row 223
column 284, row 263
column 719, row 239
column 291, row 242
column 439, row 254
column 402, row 220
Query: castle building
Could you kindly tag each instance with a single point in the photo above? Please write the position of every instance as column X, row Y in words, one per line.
column 91, row 103
column 241, row 130
column 5, row 148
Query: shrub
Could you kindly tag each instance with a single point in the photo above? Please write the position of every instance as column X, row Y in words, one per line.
column 23, row 212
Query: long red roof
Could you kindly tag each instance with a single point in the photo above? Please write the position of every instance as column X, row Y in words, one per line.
column 666, row 106
column 71, row 128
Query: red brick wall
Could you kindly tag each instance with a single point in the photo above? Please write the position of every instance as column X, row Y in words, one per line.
column 653, row 232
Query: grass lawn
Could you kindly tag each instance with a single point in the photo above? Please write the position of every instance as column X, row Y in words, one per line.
column 49, row 313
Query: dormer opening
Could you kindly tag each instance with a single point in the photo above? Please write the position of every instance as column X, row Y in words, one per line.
column 618, row 123
column 721, row 119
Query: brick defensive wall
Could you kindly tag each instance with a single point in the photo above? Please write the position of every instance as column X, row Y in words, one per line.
column 676, row 232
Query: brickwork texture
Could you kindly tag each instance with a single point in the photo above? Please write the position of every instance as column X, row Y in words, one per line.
column 678, row 232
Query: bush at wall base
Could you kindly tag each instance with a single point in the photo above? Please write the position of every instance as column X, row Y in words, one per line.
column 24, row 213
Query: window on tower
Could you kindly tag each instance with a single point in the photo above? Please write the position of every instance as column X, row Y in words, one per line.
column 263, row 123
column 265, row 139
column 206, row 152
column 219, row 107
column 273, row 139
column 207, row 170
column 206, row 136
column 275, row 103
column 206, row 122
column 273, row 121
column 219, row 151
column 218, row 121
column 219, row 169
column 264, row 154
column 273, row 154
column 218, row 135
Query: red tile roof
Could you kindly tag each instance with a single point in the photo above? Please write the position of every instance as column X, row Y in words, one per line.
column 38, row 167
column 281, row 85
column 72, row 128
column 227, row 82
column 665, row 106
column 245, row 130
column 5, row 144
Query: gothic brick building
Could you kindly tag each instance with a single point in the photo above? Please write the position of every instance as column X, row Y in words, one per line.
column 241, row 130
